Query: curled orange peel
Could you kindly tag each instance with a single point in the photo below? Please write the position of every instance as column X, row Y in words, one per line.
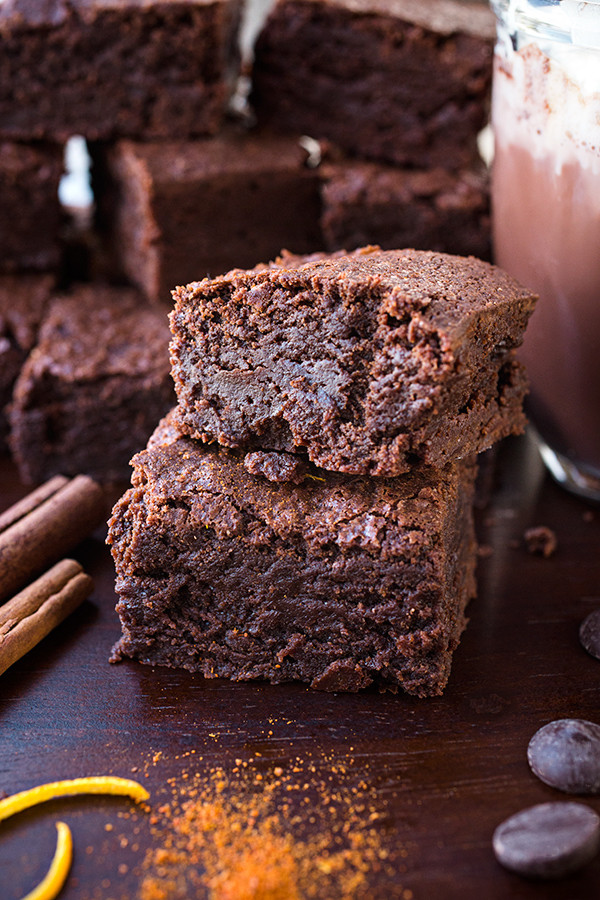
column 51, row 884
column 97, row 784
column 55, row 877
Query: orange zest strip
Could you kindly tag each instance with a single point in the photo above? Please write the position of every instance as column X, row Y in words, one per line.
column 55, row 877
column 97, row 784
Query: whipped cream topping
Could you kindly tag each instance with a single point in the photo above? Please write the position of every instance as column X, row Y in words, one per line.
column 547, row 91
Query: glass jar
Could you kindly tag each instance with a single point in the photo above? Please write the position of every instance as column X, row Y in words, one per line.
column 546, row 216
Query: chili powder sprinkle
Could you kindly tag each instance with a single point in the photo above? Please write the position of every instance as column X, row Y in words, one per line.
column 297, row 830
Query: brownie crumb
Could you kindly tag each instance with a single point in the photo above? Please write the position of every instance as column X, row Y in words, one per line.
column 540, row 541
column 277, row 467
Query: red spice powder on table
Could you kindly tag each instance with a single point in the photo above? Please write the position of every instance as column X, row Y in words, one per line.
column 304, row 830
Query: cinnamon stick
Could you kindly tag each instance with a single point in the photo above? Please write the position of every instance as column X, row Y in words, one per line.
column 46, row 525
column 28, row 503
column 39, row 608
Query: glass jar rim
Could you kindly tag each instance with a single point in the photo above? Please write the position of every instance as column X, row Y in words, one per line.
column 567, row 21
column 541, row 5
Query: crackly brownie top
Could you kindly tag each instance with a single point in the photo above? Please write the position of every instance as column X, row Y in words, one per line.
column 445, row 17
column 100, row 331
column 374, row 515
column 443, row 288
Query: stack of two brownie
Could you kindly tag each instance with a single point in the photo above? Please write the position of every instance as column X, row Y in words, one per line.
column 305, row 512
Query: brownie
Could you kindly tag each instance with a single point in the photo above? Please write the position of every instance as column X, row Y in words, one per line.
column 370, row 362
column 171, row 211
column 374, row 203
column 103, row 68
column 30, row 211
column 23, row 300
column 339, row 581
column 93, row 388
column 397, row 80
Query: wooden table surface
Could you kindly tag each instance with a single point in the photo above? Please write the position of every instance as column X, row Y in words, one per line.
column 440, row 774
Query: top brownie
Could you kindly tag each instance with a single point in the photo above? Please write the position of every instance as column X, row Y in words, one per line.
column 371, row 362
column 405, row 81
column 105, row 68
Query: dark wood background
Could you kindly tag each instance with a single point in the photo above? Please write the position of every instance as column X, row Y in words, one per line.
column 445, row 771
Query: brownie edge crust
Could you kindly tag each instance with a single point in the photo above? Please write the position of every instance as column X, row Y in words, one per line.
column 339, row 581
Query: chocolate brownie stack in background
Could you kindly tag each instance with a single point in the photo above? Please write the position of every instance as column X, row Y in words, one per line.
column 361, row 128
column 98, row 380
column 171, row 212
column 305, row 512
column 403, row 84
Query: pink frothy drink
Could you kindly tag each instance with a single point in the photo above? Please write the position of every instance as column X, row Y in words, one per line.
column 546, row 215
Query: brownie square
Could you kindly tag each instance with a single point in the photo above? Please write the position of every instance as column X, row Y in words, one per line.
column 102, row 68
column 23, row 300
column 30, row 211
column 429, row 209
column 402, row 81
column 337, row 581
column 93, row 388
column 370, row 362
column 171, row 211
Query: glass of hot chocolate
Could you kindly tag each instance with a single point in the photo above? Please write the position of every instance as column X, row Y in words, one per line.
column 546, row 216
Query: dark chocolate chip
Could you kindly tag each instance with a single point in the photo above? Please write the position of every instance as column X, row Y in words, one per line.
column 589, row 633
column 549, row 840
column 566, row 755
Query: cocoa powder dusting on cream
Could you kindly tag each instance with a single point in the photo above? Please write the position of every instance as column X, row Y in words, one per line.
column 308, row 828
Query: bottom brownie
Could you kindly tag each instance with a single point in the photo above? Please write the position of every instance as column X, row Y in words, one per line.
column 339, row 581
